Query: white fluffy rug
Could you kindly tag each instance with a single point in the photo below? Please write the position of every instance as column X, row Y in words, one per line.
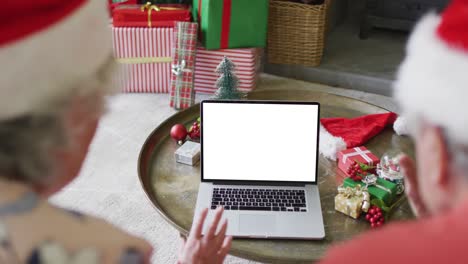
column 108, row 185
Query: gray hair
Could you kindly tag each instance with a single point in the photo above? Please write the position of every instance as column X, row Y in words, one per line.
column 26, row 142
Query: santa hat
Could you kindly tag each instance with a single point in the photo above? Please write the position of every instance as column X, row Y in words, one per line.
column 47, row 47
column 432, row 81
column 338, row 134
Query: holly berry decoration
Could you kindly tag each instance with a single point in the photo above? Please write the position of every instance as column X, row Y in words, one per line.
column 179, row 133
column 355, row 171
column 194, row 131
column 375, row 216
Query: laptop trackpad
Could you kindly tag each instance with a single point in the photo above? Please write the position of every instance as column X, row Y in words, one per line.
column 257, row 224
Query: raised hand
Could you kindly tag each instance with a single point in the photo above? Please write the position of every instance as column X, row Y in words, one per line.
column 211, row 248
column 412, row 186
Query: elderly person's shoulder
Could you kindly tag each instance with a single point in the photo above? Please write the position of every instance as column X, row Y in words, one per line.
column 33, row 231
column 438, row 239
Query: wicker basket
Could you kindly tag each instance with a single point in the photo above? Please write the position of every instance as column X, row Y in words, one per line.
column 296, row 32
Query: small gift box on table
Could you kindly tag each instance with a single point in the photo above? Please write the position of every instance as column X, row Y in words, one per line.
column 352, row 201
column 247, row 69
column 150, row 15
column 379, row 188
column 145, row 55
column 183, row 64
column 232, row 23
column 359, row 155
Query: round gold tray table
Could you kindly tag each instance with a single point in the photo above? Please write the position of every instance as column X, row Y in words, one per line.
column 173, row 187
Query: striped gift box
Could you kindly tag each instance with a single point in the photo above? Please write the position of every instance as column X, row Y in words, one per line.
column 146, row 56
column 247, row 63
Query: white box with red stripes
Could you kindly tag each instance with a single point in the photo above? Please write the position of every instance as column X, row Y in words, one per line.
column 145, row 55
column 247, row 63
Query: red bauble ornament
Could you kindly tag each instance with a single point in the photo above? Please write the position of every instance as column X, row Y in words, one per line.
column 194, row 131
column 375, row 216
column 178, row 132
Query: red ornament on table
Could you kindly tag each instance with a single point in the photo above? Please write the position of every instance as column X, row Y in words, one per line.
column 194, row 131
column 179, row 133
column 375, row 217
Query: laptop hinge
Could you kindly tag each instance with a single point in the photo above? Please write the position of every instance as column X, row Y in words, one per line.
column 259, row 183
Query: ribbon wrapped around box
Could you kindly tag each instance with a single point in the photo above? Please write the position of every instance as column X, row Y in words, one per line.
column 150, row 15
column 183, row 65
column 352, row 201
column 359, row 155
column 377, row 188
column 145, row 56
column 232, row 23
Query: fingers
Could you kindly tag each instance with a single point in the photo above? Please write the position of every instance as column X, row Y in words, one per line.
column 225, row 247
column 408, row 167
column 411, row 186
column 409, row 170
column 214, row 225
column 197, row 228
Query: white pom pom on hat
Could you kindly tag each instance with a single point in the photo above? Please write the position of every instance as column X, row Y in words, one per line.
column 432, row 81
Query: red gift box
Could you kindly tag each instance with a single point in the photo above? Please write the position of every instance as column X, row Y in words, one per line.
column 150, row 15
column 145, row 56
column 358, row 154
column 247, row 69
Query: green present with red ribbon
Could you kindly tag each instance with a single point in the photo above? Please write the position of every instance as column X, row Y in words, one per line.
column 231, row 23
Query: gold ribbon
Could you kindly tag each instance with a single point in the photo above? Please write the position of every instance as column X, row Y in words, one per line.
column 356, row 192
column 150, row 7
column 144, row 60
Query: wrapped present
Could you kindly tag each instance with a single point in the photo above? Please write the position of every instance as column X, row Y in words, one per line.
column 183, row 64
column 112, row 4
column 247, row 70
column 232, row 23
column 359, row 155
column 149, row 15
column 157, row 2
column 378, row 188
column 352, row 201
column 146, row 56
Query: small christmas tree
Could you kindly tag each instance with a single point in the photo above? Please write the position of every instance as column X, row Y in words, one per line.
column 227, row 82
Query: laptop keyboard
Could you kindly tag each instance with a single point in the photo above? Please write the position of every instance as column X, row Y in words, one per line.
column 249, row 199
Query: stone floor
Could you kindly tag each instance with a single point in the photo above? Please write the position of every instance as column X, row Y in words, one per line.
column 367, row 65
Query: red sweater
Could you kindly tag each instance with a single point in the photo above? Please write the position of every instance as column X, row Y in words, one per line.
column 440, row 239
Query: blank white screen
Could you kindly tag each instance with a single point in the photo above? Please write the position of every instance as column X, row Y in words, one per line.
column 260, row 142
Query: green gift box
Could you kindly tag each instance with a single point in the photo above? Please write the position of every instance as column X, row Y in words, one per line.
column 383, row 190
column 231, row 23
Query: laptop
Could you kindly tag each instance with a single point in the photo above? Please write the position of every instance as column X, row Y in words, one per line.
column 259, row 160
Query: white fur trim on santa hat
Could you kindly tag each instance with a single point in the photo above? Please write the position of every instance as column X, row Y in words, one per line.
column 400, row 126
column 432, row 81
column 50, row 62
column 330, row 145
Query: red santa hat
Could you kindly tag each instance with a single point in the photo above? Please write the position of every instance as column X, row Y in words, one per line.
column 432, row 82
column 338, row 134
column 47, row 46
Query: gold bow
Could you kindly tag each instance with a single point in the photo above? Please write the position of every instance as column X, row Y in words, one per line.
column 356, row 192
column 349, row 192
column 150, row 7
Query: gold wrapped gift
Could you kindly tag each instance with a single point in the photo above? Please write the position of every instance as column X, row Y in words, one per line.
column 352, row 201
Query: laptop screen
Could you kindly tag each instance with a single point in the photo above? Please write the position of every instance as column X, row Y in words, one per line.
column 259, row 141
